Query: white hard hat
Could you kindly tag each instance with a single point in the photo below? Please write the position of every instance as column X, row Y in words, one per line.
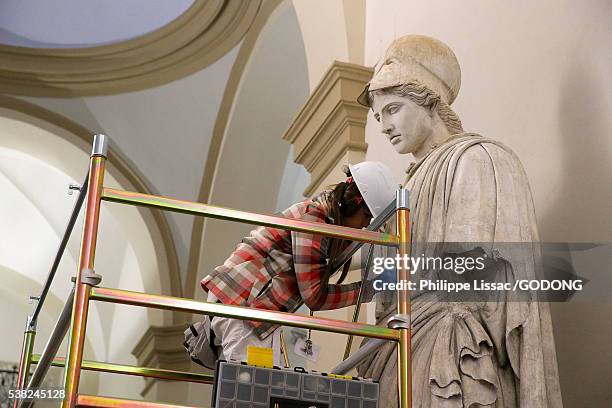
column 376, row 184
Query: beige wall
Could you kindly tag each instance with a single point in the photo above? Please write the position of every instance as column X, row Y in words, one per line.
column 332, row 30
column 535, row 75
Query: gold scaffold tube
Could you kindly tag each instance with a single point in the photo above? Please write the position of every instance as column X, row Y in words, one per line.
column 212, row 211
column 404, row 347
column 127, row 297
column 159, row 373
column 78, row 325
column 107, row 402
column 26, row 358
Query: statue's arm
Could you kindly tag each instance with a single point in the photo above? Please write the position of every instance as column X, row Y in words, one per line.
column 471, row 198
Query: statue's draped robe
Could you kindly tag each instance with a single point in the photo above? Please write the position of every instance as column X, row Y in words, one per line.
column 473, row 354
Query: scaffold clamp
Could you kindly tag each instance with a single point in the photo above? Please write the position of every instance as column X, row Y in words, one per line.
column 89, row 277
column 399, row 321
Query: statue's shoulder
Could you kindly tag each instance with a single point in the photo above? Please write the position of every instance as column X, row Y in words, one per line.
column 476, row 148
column 465, row 153
column 478, row 159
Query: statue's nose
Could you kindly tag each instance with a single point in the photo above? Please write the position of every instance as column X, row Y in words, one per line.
column 387, row 127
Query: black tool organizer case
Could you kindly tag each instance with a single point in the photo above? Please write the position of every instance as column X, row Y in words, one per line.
column 238, row 385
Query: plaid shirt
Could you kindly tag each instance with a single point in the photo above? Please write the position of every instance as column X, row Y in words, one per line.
column 276, row 269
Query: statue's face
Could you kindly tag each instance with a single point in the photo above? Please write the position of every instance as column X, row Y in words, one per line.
column 406, row 124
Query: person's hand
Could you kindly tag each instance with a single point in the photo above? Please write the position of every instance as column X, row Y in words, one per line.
column 368, row 290
column 387, row 276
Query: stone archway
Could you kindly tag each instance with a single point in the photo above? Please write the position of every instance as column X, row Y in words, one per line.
column 42, row 152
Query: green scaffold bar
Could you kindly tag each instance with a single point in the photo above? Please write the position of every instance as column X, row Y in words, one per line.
column 206, row 210
column 244, row 313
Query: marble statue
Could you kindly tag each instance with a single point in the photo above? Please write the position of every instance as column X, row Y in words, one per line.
column 464, row 188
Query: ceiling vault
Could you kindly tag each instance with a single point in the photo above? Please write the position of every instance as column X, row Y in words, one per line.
column 197, row 38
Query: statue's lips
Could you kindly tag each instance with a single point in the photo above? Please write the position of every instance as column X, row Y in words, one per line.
column 394, row 138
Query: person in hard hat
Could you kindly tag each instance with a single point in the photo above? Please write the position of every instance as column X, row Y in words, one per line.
column 279, row 270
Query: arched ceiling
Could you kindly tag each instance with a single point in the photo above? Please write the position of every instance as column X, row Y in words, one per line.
column 75, row 24
column 136, row 48
column 36, row 167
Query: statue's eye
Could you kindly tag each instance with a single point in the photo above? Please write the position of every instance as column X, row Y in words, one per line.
column 393, row 109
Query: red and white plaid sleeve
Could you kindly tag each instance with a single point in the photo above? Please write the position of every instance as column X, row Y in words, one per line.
column 310, row 263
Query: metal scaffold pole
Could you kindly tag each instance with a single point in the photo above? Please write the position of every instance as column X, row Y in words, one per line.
column 84, row 280
column 404, row 349
column 30, row 329
column 26, row 356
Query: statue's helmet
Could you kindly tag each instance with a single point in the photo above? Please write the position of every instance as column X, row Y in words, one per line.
column 420, row 59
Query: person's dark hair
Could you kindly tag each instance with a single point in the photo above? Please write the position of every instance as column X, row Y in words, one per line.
column 344, row 200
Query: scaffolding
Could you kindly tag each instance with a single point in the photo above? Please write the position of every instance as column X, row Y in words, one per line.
column 74, row 315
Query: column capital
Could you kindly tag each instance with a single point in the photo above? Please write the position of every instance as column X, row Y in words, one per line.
column 329, row 130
